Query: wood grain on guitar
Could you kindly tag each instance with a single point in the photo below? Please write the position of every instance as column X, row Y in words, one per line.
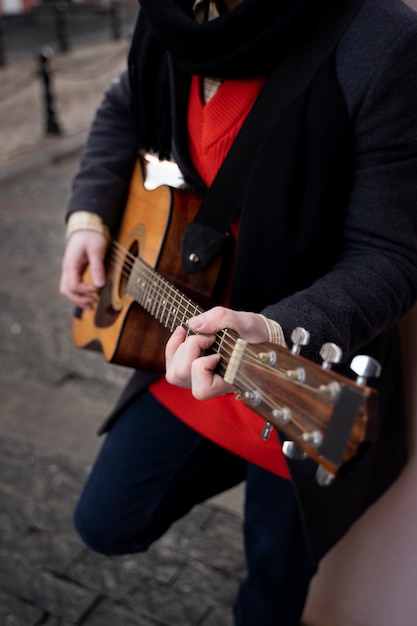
column 324, row 416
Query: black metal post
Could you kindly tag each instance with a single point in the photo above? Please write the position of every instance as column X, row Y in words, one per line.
column 116, row 18
column 51, row 126
column 62, row 24
column 3, row 56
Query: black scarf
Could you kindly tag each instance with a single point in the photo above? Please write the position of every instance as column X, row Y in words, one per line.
column 248, row 41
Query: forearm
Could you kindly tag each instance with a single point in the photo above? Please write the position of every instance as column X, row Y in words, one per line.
column 100, row 186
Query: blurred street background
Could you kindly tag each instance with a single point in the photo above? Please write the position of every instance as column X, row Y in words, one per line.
column 47, row 93
column 52, row 396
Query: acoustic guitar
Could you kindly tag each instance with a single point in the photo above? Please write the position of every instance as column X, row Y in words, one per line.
column 322, row 414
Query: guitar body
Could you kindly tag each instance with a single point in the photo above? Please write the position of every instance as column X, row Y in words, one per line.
column 152, row 228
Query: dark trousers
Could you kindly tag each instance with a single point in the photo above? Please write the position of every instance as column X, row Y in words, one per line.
column 152, row 469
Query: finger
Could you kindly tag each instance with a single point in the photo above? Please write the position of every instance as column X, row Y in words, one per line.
column 177, row 338
column 81, row 294
column 84, row 302
column 205, row 382
column 97, row 269
column 83, row 249
column 210, row 321
column 249, row 326
column 181, row 356
column 71, row 283
column 95, row 251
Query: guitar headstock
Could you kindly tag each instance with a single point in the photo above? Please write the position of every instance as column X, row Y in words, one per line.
column 322, row 414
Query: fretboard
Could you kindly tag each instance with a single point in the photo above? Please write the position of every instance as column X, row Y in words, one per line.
column 171, row 307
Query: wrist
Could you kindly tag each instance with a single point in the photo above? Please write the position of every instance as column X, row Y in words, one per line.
column 275, row 332
column 85, row 220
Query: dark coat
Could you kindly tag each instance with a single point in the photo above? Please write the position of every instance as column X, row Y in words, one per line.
column 342, row 260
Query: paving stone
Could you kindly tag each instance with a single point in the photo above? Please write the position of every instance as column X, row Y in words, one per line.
column 54, row 552
column 223, row 530
column 16, row 612
column 61, row 470
column 55, row 595
column 117, row 576
column 52, row 620
column 12, row 524
column 54, row 517
column 168, row 605
column 110, row 576
column 219, row 617
column 44, row 480
column 201, row 580
column 110, row 614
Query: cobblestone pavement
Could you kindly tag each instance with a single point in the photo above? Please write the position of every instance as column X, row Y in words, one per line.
column 53, row 398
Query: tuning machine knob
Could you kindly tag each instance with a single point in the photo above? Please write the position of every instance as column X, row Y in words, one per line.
column 365, row 367
column 300, row 337
column 292, row 451
column 331, row 354
column 324, row 477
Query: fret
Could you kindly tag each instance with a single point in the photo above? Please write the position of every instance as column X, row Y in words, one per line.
column 132, row 284
column 154, row 297
column 149, row 288
column 138, row 286
column 160, row 301
column 168, row 315
column 173, row 318
column 165, row 304
column 147, row 293
column 185, row 316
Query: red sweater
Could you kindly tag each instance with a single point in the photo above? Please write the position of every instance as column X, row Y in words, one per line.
column 212, row 129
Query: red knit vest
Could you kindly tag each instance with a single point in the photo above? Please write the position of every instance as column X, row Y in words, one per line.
column 212, row 129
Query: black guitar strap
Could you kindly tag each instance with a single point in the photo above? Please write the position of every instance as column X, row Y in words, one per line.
column 204, row 237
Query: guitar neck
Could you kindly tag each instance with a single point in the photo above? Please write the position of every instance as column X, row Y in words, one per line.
column 169, row 306
column 159, row 297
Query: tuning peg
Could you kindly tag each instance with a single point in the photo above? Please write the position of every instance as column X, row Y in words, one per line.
column 324, row 477
column 331, row 354
column 269, row 357
column 365, row 367
column 300, row 337
column 292, row 451
column 313, row 438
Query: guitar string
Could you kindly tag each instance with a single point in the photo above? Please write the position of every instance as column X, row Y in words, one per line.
column 174, row 294
column 128, row 260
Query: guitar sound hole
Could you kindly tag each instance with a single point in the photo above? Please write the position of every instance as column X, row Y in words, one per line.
column 128, row 264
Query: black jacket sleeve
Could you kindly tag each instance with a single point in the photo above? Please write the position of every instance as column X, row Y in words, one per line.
column 101, row 184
